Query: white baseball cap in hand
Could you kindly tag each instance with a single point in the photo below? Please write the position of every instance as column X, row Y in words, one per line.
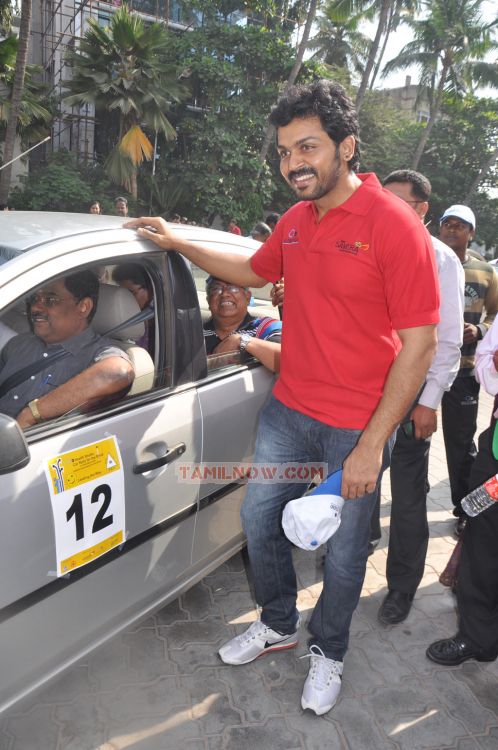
column 310, row 521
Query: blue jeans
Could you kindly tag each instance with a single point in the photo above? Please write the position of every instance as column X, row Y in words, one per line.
column 285, row 435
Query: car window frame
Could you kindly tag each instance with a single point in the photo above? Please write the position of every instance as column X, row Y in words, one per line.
column 154, row 263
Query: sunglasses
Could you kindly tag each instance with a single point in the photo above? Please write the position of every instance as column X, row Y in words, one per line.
column 47, row 300
column 218, row 289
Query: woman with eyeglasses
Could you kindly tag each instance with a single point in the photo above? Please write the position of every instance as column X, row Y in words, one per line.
column 233, row 329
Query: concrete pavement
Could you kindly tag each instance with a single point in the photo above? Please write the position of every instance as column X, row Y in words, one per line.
column 160, row 685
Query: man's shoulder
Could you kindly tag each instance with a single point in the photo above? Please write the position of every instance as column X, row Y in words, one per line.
column 474, row 263
column 444, row 254
column 297, row 210
column 21, row 341
column 262, row 328
column 92, row 345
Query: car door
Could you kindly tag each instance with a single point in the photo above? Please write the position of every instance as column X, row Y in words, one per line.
column 48, row 618
column 231, row 397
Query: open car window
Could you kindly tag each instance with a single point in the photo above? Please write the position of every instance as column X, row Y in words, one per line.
column 124, row 325
column 259, row 306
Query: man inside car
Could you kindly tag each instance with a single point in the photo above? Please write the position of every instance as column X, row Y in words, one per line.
column 231, row 327
column 82, row 369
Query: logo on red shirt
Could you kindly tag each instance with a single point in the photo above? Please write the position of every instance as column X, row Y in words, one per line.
column 291, row 238
column 362, row 245
column 350, row 247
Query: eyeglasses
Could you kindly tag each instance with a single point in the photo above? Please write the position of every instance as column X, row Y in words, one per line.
column 47, row 300
column 414, row 203
column 218, row 289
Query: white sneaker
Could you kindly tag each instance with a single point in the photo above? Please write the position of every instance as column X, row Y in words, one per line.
column 257, row 640
column 323, row 684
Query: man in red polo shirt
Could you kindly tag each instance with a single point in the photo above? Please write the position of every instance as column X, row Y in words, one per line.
column 361, row 306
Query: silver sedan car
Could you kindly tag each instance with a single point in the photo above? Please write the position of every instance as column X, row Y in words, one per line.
column 109, row 513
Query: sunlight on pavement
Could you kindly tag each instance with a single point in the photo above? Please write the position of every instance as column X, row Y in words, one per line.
column 403, row 725
column 130, row 740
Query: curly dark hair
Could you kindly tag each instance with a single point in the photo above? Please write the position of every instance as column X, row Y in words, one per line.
column 329, row 102
column 420, row 185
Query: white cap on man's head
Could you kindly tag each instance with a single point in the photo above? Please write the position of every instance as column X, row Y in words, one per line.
column 460, row 212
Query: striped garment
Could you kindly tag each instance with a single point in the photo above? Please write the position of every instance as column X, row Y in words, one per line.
column 481, row 296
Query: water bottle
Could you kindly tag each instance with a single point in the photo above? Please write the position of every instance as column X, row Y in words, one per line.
column 481, row 498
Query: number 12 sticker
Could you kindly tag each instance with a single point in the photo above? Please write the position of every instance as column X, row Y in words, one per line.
column 88, row 502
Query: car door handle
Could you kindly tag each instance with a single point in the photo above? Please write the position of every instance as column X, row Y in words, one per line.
column 155, row 463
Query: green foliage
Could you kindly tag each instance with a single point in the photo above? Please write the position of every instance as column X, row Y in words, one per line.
column 486, row 210
column 340, row 44
column 388, row 138
column 122, row 71
column 460, row 145
column 234, row 74
column 37, row 106
column 62, row 185
column 5, row 15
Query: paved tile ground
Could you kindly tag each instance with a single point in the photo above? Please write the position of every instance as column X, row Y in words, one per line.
column 160, row 686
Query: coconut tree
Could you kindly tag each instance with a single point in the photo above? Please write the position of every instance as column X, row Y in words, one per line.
column 387, row 15
column 36, row 109
column 310, row 18
column 449, row 47
column 119, row 69
column 15, row 99
column 340, row 44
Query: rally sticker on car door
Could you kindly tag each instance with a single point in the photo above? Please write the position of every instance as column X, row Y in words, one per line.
column 87, row 493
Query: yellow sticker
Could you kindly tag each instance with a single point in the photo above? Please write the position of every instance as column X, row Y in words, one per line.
column 90, row 554
column 74, row 468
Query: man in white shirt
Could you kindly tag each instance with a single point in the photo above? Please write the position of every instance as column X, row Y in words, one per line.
column 477, row 586
column 409, row 531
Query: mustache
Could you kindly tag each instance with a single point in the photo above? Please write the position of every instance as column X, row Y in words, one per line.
column 301, row 172
column 36, row 316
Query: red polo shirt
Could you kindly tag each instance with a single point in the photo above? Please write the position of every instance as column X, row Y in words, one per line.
column 366, row 269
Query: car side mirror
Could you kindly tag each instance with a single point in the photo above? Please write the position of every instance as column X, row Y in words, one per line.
column 14, row 451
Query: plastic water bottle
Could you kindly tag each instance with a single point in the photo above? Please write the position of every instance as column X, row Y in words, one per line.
column 481, row 498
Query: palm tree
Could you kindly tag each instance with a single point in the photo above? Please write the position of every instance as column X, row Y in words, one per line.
column 120, row 71
column 389, row 14
column 340, row 44
column 448, row 47
column 398, row 12
column 15, row 99
column 310, row 18
column 34, row 116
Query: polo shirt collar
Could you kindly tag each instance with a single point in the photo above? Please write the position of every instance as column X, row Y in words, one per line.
column 362, row 200
column 75, row 344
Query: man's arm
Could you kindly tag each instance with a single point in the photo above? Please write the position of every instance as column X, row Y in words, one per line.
column 227, row 266
column 487, row 360
column 104, row 378
column 362, row 467
column 491, row 304
column 444, row 366
column 268, row 352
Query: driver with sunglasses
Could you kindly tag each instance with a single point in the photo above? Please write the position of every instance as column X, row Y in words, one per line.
column 231, row 328
column 88, row 369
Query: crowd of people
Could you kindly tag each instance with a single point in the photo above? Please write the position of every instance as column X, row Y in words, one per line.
column 381, row 327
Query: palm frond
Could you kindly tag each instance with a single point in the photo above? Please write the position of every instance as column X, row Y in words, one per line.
column 136, row 145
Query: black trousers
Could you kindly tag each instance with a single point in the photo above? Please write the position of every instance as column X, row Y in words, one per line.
column 459, row 417
column 477, row 587
column 409, row 530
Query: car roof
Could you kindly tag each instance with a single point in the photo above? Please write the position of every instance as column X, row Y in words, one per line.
column 21, row 231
